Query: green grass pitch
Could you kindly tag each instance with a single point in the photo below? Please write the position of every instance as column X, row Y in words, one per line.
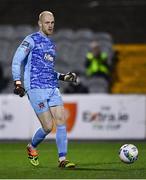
column 95, row 160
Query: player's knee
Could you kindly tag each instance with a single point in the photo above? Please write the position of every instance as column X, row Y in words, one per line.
column 61, row 122
column 48, row 129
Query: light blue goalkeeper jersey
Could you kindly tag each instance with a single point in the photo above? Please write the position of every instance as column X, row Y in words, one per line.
column 37, row 53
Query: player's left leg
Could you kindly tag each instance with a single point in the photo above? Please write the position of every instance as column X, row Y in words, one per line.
column 61, row 136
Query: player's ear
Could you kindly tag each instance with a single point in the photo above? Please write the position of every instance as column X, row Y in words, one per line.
column 39, row 23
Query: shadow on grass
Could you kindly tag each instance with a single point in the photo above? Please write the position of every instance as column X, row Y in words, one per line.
column 96, row 167
column 102, row 169
column 111, row 167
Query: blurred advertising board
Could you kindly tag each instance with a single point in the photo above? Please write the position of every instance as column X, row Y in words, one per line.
column 93, row 116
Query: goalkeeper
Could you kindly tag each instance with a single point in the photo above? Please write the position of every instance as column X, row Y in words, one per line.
column 37, row 53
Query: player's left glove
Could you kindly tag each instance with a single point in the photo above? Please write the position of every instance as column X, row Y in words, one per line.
column 19, row 90
column 69, row 77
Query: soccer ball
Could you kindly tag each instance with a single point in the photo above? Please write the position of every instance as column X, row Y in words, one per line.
column 128, row 153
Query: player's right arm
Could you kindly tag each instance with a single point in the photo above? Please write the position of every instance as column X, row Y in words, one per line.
column 19, row 56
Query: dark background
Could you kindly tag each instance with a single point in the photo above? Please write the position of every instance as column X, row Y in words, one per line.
column 124, row 19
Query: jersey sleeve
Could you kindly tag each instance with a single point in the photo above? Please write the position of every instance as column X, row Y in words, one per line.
column 58, row 74
column 19, row 56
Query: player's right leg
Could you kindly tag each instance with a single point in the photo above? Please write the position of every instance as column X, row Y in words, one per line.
column 42, row 110
column 32, row 155
column 39, row 136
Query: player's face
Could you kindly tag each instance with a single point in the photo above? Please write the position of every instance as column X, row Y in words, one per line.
column 47, row 24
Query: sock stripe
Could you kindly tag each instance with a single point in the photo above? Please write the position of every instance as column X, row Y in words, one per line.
column 62, row 154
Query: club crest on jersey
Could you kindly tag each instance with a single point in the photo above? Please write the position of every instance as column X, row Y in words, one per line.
column 41, row 105
column 48, row 57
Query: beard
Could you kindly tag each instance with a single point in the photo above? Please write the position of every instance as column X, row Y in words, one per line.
column 47, row 31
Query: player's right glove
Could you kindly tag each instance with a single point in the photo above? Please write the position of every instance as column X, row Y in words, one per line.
column 19, row 90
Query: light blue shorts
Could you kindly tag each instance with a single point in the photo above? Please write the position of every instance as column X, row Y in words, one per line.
column 42, row 99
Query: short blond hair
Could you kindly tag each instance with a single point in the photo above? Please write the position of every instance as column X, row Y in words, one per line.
column 45, row 12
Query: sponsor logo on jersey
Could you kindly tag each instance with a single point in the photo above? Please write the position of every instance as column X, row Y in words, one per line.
column 48, row 57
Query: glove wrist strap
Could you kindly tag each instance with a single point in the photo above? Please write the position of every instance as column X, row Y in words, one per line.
column 61, row 77
column 17, row 82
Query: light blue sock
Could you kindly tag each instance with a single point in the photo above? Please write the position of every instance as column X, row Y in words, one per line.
column 38, row 137
column 61, row 140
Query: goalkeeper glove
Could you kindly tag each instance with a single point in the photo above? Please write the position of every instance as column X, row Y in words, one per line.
column 19, row 90
column 69, row 77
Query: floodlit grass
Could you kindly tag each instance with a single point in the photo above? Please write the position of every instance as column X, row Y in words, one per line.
column 95, row 160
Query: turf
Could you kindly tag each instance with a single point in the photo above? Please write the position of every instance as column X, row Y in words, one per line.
column 95, row 160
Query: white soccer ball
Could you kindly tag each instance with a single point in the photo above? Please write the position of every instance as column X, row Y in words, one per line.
column 128, row 153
